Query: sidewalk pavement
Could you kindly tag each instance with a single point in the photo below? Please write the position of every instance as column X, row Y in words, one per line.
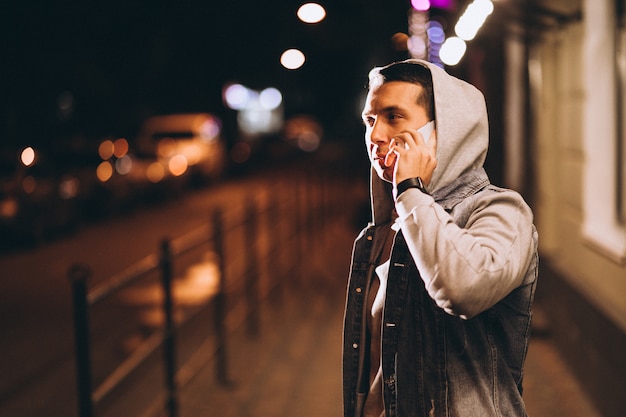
column 293, row 366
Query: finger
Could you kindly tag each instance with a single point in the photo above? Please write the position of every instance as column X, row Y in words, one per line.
column 390, row 158
column 404, row 140
column 397, row 144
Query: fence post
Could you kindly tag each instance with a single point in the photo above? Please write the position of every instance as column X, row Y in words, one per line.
column 252, row 270
column 78, row 275
column 169, row 344
column 298, row 247
column 278, row 239
column 221, row 365
column 312, row 207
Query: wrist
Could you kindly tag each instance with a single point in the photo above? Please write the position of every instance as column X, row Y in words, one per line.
column 402, row 186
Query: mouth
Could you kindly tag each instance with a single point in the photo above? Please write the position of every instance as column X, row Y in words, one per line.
column 380, row 161
column 378, row 156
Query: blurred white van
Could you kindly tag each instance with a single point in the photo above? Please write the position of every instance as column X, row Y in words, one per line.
column 190, row 141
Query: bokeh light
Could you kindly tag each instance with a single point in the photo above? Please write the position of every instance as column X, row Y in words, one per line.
column 106, row 149
column 210, row 129
column 435, row 32
column 120, row 147
column 237, row 96
column 420, row 5
column 311, row 13
column 473, row 18
column 28, row 156
column 29, row 184
column 124, row 165
column 270, row 98
column 400, row 41
column 166, row 147
column 417, row 46
column 104, row 172
column 292, row 59
column 155, row 172
column 178, row 165
column 69, row 187
column 452, row 50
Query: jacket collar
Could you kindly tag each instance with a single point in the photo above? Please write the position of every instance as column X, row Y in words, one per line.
column 461, row 188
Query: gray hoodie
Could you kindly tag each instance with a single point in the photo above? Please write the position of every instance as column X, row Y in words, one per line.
column 467, row 269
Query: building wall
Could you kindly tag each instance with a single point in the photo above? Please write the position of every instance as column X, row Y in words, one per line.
column 578, row 276
column 559, row 108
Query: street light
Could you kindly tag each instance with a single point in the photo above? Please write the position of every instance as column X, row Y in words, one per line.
column 311, row 13
column 292, row 59
column 452, row 50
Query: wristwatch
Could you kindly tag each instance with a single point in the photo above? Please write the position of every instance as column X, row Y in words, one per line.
column 415, row 182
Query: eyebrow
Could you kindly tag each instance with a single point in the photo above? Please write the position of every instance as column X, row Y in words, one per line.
column 387, row 109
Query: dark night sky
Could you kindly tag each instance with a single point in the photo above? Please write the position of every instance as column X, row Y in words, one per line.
column 123, row 60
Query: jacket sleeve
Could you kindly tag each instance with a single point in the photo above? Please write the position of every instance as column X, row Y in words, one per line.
column 468, row 270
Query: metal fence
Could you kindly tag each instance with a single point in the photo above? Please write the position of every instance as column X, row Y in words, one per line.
column 268, row 231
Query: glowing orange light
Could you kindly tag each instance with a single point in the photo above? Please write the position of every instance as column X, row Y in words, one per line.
column 178, row 165
column 9, row 208
column 120, row 147
column 69, row 187
column 193, row 152
column 104, row 172
column 105, row 150
column 166, row 147
column 155, row 172
column 400, row 41
column 29, row 184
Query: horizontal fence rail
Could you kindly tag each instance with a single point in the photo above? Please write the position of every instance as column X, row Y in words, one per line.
column 271, row 233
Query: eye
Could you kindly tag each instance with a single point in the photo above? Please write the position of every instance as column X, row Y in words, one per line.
column 393, row 116
column 368, row 121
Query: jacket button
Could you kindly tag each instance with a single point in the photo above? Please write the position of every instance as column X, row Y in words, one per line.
column 355, row 345
column 358, row 290
column 369, row 238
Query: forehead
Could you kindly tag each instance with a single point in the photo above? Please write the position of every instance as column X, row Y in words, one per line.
column 392, row 94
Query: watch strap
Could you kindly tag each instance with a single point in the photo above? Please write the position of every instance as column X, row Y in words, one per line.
column 415, row 182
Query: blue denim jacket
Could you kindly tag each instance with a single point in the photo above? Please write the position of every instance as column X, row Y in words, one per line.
column 436, row 364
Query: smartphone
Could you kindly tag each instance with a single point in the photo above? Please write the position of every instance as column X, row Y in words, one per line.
column 426, row 130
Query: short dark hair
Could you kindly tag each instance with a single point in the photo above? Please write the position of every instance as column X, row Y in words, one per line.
column 412, row 72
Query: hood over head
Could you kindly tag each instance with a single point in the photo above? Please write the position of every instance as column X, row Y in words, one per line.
column 462, row 130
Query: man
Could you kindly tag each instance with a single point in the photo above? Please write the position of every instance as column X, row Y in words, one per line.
column 442, row 280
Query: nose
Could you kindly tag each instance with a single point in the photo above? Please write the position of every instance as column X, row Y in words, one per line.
column 378, row 134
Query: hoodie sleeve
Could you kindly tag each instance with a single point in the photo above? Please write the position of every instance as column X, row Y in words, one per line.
column 468, row 270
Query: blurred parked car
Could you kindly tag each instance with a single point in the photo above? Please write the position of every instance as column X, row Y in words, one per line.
column 37, row 200
column 182, row 142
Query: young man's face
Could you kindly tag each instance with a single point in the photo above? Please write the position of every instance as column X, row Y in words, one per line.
column 390, row 109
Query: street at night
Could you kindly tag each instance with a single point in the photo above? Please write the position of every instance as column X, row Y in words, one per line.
column 38, row 359
column 188, row 191
column 297, row 350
